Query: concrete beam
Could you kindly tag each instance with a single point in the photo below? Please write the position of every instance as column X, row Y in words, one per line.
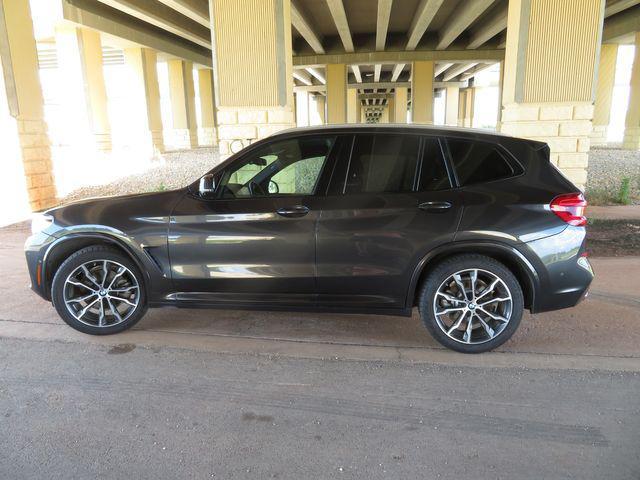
column 356, row 73
column 336, row 7
column 196, row 10
column 369, row 58
column 440, row 68
column 455, row 71
column 618, row 6
column 377, row 69
column 316, row 73
column 380, row 86
column 302, row 76
column 477, row 70
column 622, row 25
column 303, row 26
column 457, row 23
column 397, row 70
column 101, row 17
column 382, row 23
column 494, row 26
column 164, row 17
column 421, row 20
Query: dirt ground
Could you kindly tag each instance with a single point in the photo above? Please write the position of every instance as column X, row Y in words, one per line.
column 613, row 238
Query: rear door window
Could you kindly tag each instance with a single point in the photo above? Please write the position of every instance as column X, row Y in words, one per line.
column 382, row 163
column 478, row 162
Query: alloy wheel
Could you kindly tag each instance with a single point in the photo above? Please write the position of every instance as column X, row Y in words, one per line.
column 101, row 293
column 473, row 306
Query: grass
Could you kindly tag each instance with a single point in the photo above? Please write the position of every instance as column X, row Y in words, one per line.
column 603, row 196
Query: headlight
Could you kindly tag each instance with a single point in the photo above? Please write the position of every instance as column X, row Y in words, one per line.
column 40, row 221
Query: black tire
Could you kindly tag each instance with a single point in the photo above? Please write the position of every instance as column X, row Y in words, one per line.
column 441, row 273
column 87, row 254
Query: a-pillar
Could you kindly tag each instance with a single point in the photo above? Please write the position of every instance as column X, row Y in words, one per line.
column 207, row 125
column 550, row 66
column 451, row 106
column 144, row 96
column 252, row 73
column 79, row 52
column 26, row 104
column 400, row 105
column 184, row 133
column 337, row 93
column 422, row 92
column 632, row 123
column 604, row 93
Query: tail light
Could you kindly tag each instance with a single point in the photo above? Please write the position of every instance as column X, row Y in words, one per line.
column 570, row 208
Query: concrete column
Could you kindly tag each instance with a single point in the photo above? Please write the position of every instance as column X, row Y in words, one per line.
column 25, row 102
column 422, row 92
column 462, row 107
column 207, row 127
column 144, row 95
column 400, row 104
column 392, row 110
column 500, row 90
column 384, row 118
column 337, row 93
column 604, row 93
column 321, row 106
column 79, row 52
column 549, row 77
column 352, row 105
column 302, row 109
column 469, row 104
column 184, row 133
column 632, row 122
column 451, row 106
column 252, row 62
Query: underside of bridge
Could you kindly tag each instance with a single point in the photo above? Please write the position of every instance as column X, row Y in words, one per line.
column 250, row 68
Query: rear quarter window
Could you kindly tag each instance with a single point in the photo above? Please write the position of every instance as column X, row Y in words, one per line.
column 478, row 162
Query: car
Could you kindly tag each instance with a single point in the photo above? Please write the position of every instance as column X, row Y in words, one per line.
column 470, row 227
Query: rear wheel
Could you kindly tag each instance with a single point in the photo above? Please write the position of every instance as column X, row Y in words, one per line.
column 99, row 291
column 471, row 303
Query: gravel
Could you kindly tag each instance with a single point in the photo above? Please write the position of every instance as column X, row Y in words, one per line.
column 169, row 171
column 607, row 168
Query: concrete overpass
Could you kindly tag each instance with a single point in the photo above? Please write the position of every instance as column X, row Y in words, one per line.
column 362, row 60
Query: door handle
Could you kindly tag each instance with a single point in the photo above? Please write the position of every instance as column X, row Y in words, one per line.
column 293, row 212
column 435, row 206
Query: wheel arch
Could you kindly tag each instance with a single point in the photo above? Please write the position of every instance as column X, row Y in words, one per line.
column 65, row 246
column 514, row 260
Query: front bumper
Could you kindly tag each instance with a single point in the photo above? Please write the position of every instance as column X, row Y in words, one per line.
column 35, row 249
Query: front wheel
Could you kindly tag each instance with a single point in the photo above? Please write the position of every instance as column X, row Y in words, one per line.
column 471, row 303
column 99, row 291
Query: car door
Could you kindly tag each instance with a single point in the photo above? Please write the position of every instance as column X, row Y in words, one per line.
column 390, row 202
column 253, row 239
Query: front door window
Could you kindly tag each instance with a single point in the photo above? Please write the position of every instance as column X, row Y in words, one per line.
column 287, row 167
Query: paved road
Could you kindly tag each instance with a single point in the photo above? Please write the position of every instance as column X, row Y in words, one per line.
column 84, row 411
column 226, row 394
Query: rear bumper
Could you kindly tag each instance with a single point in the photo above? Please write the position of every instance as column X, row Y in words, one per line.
column 564, row 274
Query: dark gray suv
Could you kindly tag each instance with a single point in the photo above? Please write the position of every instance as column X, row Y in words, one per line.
column 470, row 227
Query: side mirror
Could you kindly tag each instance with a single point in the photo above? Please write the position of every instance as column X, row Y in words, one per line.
column 207, row 185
